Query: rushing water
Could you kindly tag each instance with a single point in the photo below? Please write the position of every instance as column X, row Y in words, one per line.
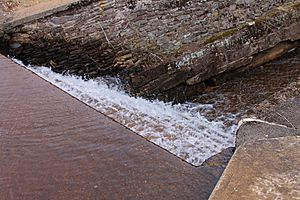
column 193, row 131
column 181, row 129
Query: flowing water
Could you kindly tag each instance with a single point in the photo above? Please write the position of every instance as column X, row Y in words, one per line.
column 195, row 130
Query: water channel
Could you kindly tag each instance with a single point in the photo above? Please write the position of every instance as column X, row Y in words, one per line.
column 199, row 128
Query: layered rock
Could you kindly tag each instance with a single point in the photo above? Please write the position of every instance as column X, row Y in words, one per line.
column 168, row 49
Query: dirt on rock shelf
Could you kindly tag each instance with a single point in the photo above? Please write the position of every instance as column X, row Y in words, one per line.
column 13, row 5
column 18, row 9
column 8, row 7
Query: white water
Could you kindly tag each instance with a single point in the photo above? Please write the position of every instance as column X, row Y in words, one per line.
column 180, row 128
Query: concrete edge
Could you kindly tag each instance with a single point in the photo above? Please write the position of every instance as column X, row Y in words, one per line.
column 31, row 17
column 218, row 185
column 242, row 122
column 249, row 120
column 227, row 172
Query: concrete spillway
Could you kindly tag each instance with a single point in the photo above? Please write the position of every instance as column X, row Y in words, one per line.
column 53, row 146
column 180, row 128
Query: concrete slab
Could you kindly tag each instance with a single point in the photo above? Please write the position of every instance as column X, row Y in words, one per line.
column 264, row 169
column 251, row 131
column 36, row 11
column 287, row 113
column 54, row 147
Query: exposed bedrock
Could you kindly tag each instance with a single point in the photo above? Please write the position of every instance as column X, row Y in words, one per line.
column 166, row 49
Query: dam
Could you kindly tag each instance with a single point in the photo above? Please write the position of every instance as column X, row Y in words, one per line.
column 185, row 96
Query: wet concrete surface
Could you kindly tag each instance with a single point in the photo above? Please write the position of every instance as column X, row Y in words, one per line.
column 54, row 147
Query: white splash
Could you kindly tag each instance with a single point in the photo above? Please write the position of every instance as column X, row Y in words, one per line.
column 180, row 128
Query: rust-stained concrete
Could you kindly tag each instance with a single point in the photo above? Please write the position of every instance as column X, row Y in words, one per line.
column 54, row 147
column 264, row 169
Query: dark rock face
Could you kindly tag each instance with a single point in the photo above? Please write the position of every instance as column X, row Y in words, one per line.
column 166, row 49
column 221, row 159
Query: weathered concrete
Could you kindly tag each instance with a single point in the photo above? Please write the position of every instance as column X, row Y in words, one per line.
column 287, row 113
column 252, row 131
column 279, row 121
column 264, row 169
column 54, row 147
column 36, row 11
column 266, row 162
column 158, row 47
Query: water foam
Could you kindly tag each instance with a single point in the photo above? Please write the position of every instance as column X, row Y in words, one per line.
column 180, row 128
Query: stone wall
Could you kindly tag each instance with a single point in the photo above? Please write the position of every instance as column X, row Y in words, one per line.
column 156, row 46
